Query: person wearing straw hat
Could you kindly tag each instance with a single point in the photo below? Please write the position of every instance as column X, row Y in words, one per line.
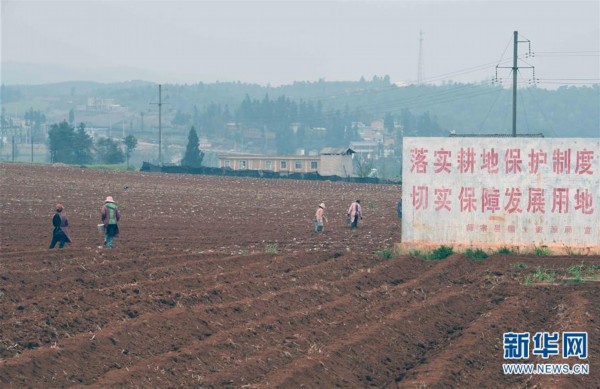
column 60, row 233
column 110, row 217
column 320, row 218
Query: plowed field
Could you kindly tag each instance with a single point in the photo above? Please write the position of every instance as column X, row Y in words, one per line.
column 220, row 282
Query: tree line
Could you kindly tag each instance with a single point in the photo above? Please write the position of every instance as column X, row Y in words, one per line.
column 292, row 121
column 71, row 145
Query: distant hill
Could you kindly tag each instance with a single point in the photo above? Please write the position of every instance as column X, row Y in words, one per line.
column 18, row 73
column 427, row 109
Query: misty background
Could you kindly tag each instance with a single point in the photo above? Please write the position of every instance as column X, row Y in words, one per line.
column 293, row 77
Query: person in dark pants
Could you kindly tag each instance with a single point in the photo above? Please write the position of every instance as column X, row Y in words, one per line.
column 60, row 233
column 110, row 217
column 355, row 211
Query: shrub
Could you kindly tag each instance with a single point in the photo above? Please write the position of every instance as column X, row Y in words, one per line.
column 476, row 254
column 271, row 249
column 542, row 251
column 577, row 272
column 506, row 250
column 543, row 275
column 385, row 253
column 441, row 252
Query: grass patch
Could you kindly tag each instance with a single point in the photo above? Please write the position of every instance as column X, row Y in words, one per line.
column 540, row 275
column 506, row 251
column 477, row 254
column 577, row 271
column 519, row 265
column 438, row 254
column 441, row 252
column 542, row 251
column 271, row 249
column 582, row 273
column 385, row 253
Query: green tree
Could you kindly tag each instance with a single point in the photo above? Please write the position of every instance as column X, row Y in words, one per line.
column 71, row 117
column 193, row 156
column 108, row 151
column 82, row 146
column 61, row 138
column 130, row 145
column 363, row 166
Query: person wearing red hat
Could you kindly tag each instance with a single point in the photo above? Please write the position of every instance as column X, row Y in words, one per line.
column 110, row 217
column 60, row 223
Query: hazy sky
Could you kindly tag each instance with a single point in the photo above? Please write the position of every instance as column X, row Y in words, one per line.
column 280, row 42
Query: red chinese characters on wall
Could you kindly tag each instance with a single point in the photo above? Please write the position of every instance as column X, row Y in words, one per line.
column 560, row 200
column 532, row 197
column 420, row 197
column 490, row 161
column 536, row 202
column 561, row 161
column 442, row 199
column 466, row 160
column 490, row 200
column 512, row 161
column 536, row 157
column 513, row 202
column 583, row 201
column 442, row 161
column 418, row 160
column 467, row 199
column 584, row 162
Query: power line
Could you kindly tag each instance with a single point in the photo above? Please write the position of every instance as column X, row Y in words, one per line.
column 420, row 70
column 500, row 90
column 525, row 111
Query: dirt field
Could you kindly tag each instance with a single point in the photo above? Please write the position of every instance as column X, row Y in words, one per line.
column 220, row 282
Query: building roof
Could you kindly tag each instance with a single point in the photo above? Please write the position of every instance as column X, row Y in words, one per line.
column 337, row 151
column 265, row 156
column 540, row 135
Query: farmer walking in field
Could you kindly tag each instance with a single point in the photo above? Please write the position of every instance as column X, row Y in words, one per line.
column 355, row 211
column 60, row 233
column 110, row 217
column 320, row 218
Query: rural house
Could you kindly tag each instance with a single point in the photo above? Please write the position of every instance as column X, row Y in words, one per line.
column 330, row 162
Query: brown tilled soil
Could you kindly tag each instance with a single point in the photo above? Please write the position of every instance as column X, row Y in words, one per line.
column 220, row 282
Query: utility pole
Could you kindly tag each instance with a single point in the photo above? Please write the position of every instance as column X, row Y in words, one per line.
column 31, row 136
column 515, row 69
column 160, row 103
column 160, row 162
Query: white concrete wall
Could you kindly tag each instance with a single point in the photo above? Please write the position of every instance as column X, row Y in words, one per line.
column 336, row 165
column 559, row 201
